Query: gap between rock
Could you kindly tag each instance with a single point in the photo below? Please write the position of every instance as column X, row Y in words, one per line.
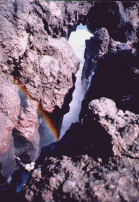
column 77, row 41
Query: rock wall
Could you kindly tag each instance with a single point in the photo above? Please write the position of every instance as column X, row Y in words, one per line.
column 38, row 62
column 97, row 159
column 111, row 61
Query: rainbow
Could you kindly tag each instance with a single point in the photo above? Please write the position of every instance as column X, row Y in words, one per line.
column 44, row 115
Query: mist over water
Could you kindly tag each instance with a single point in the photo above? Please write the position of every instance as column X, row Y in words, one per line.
column 77, row 41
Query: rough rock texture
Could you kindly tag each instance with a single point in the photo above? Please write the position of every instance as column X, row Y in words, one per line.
column 98, row 157
column 115, row 29
column 60, row 18
column 9, row 111
column 116, row 77
column 18, row 127
column 96, row 47
column 81, row 178
column 84, row 180
column 111, row 56
column 37, row 59
column 122, row 126
column 119, row 18
column 117, row 130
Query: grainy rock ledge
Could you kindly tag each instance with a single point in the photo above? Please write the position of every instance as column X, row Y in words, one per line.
column 108, row 173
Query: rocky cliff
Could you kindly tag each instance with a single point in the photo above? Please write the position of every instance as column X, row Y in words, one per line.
column 97, row 158
column 37, row 75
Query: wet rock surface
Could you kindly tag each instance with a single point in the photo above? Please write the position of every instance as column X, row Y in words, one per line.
column 19, row 127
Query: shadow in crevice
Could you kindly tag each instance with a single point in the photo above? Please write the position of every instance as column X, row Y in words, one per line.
column 23, row 99
column 26, row 150
column 57, row 115
column 88, row 138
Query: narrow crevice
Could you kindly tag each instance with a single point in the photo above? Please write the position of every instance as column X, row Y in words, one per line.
column 77, row 41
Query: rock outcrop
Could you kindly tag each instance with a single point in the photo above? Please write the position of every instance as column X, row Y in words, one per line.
column 115, row 34
column 19, row 127
column 98, row 157
column 84, row 180
column 119, row 18
column 110, row 136
column 40, row 65
column 116, row 77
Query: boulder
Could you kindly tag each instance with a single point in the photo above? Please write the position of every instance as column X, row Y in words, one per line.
column 116, row 77
column 101, row 167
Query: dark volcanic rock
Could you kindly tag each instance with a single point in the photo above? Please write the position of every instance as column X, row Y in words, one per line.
column 98, row 157
column 117, row 130
column 119, row 18
column 116, row 77
column 84, row 180
column 41, row 65
column 96, row 47
column 113, row 64
column 81, row 178
column 9, row 111
column 123, row 127
column 115, row 29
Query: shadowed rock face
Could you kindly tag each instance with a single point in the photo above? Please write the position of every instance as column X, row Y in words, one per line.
column 116, row 77
column 117, row 130
column 108, row 135
column 116, row 29
column 96, row 47
column 111, row 56
column 121, row 19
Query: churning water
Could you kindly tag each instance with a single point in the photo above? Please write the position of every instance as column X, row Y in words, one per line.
column 77, row 41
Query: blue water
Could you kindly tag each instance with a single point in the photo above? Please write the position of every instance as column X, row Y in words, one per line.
column 23, row 178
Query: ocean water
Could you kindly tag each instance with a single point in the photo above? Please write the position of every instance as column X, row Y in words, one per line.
column 77, row 41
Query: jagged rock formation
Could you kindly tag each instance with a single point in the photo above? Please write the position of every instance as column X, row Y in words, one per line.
column 19, row 127
column 119, row 18
column 111, row 55
column 84, row 180
column 116, row 77
column 96, row 47
column 111, row 138
column 41, row 64
column 104, row 122
column 97, row 159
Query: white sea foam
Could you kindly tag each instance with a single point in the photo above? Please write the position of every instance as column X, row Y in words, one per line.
column 77, row 41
